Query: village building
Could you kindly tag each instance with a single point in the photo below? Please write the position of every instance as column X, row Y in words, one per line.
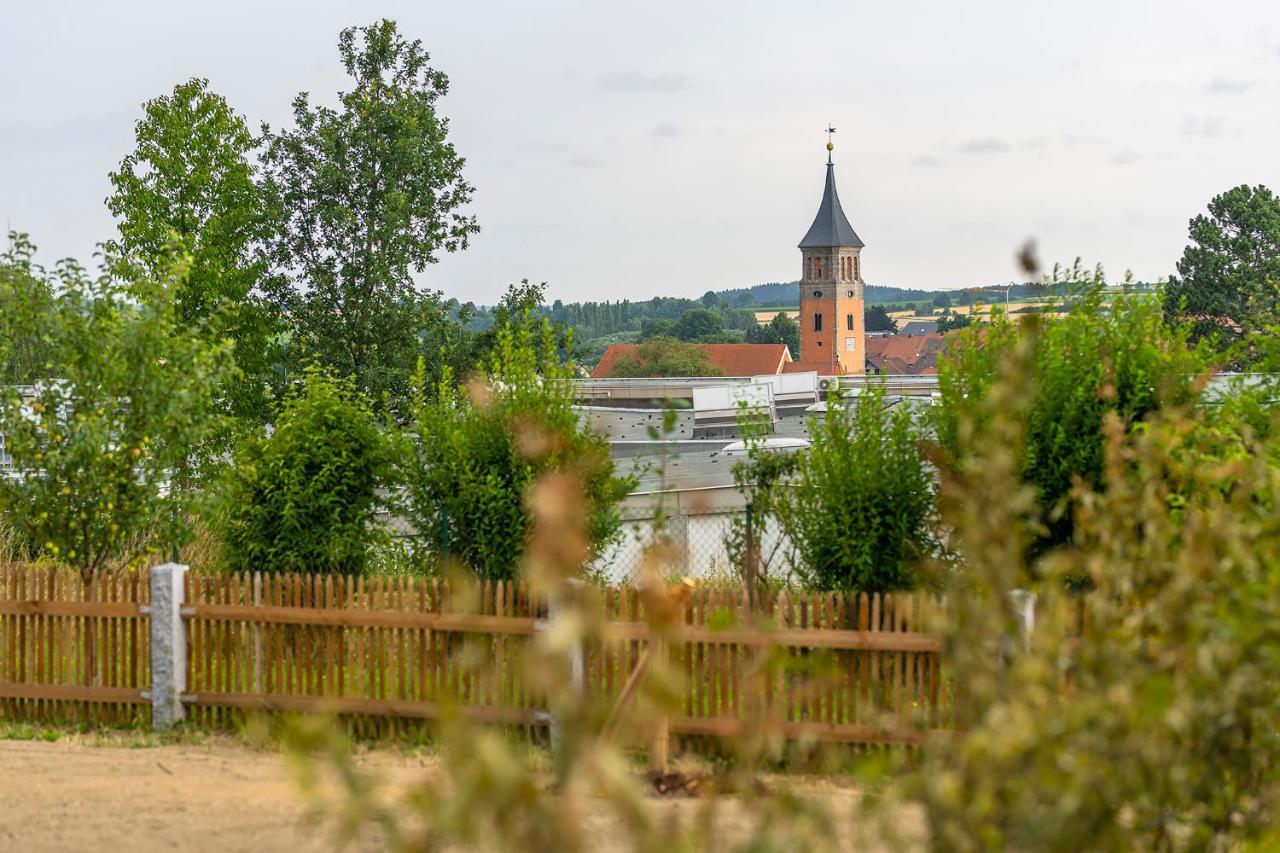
column 833, row 339
column 832, row 326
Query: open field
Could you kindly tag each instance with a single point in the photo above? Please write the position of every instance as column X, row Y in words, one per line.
column 89, row 792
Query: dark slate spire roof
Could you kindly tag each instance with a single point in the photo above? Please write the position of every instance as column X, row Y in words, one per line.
column 830, row 227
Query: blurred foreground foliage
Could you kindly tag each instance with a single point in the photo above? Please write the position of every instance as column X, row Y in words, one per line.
column 1140, row 713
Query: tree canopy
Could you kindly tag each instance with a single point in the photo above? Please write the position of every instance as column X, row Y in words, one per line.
column 782, row 329
column 1229, row 273
column 878, row 320
column 366, row 195
column 189, row 186
column 666, row 357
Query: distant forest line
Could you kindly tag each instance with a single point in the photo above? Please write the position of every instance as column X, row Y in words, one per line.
column 598, row 324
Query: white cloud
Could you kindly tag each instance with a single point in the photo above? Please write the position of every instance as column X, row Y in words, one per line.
column 639, row 81
column 1208, row 126
column 984, row 145
column 1227, row 86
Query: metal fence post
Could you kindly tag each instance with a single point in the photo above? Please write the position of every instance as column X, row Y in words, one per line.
column 168, row 645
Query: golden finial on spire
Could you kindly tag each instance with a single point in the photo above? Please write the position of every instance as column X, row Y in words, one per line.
column 830, row 144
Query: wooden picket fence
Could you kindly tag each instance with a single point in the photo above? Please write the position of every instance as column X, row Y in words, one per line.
column 393, row 654
column 71, row 651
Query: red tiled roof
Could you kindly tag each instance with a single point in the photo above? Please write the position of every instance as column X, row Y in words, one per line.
column 733, row 359
column 906, row 354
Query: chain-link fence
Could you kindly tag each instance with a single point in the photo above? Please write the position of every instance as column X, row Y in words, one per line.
column 728, row 545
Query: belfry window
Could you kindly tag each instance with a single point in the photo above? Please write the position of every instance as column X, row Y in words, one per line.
column 817, row 322
column 848, row 321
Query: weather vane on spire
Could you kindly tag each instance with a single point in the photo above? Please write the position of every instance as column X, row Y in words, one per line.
column 830, row 145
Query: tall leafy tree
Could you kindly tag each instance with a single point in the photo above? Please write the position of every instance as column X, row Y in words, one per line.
column 189, row 187
column 1230, row 271
column 367, row 194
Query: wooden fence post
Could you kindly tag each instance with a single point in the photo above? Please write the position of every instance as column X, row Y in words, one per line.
column 660, row 748
column 168, row 645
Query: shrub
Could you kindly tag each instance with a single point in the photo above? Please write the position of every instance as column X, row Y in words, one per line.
column 121, row 395
column 1097, row 360
column 1144, row 715
column 471, row 454
column 858, row 505
column 305, row 498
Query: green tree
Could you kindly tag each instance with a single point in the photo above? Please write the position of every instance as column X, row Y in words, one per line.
column 858, row 504
column 942, row 300
column 782, row 329
column 129, row 392
column 654, row 327
column 666, row 357
column 949, row 322
column 521, row 306
column 698, row 323
column 878, row 320
column 1096, row 361
column 366, row 195
column 710, row 299
column 472, row 454
column 26, row 311
column 1230, row 271
column 189, row 186
column 304, row 498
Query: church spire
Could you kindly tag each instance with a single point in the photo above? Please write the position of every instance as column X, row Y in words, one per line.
column 830, row 227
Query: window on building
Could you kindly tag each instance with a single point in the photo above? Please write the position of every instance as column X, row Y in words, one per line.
column 817, row 322
column 817, row 293
column 855, row 267
column 848, row 321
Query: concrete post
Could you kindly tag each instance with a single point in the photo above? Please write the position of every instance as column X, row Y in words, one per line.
column 576, row 660
column 168, row 645
column 1024, row 604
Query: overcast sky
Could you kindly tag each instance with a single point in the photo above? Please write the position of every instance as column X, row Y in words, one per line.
column 638, row 149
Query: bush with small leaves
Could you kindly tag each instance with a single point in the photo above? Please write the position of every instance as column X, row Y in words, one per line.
column 304, row 499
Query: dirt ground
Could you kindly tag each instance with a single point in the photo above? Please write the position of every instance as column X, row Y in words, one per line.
column 84, row 794
column 217, row 795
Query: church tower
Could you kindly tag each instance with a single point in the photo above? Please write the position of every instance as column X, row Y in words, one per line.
column 832, row 327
